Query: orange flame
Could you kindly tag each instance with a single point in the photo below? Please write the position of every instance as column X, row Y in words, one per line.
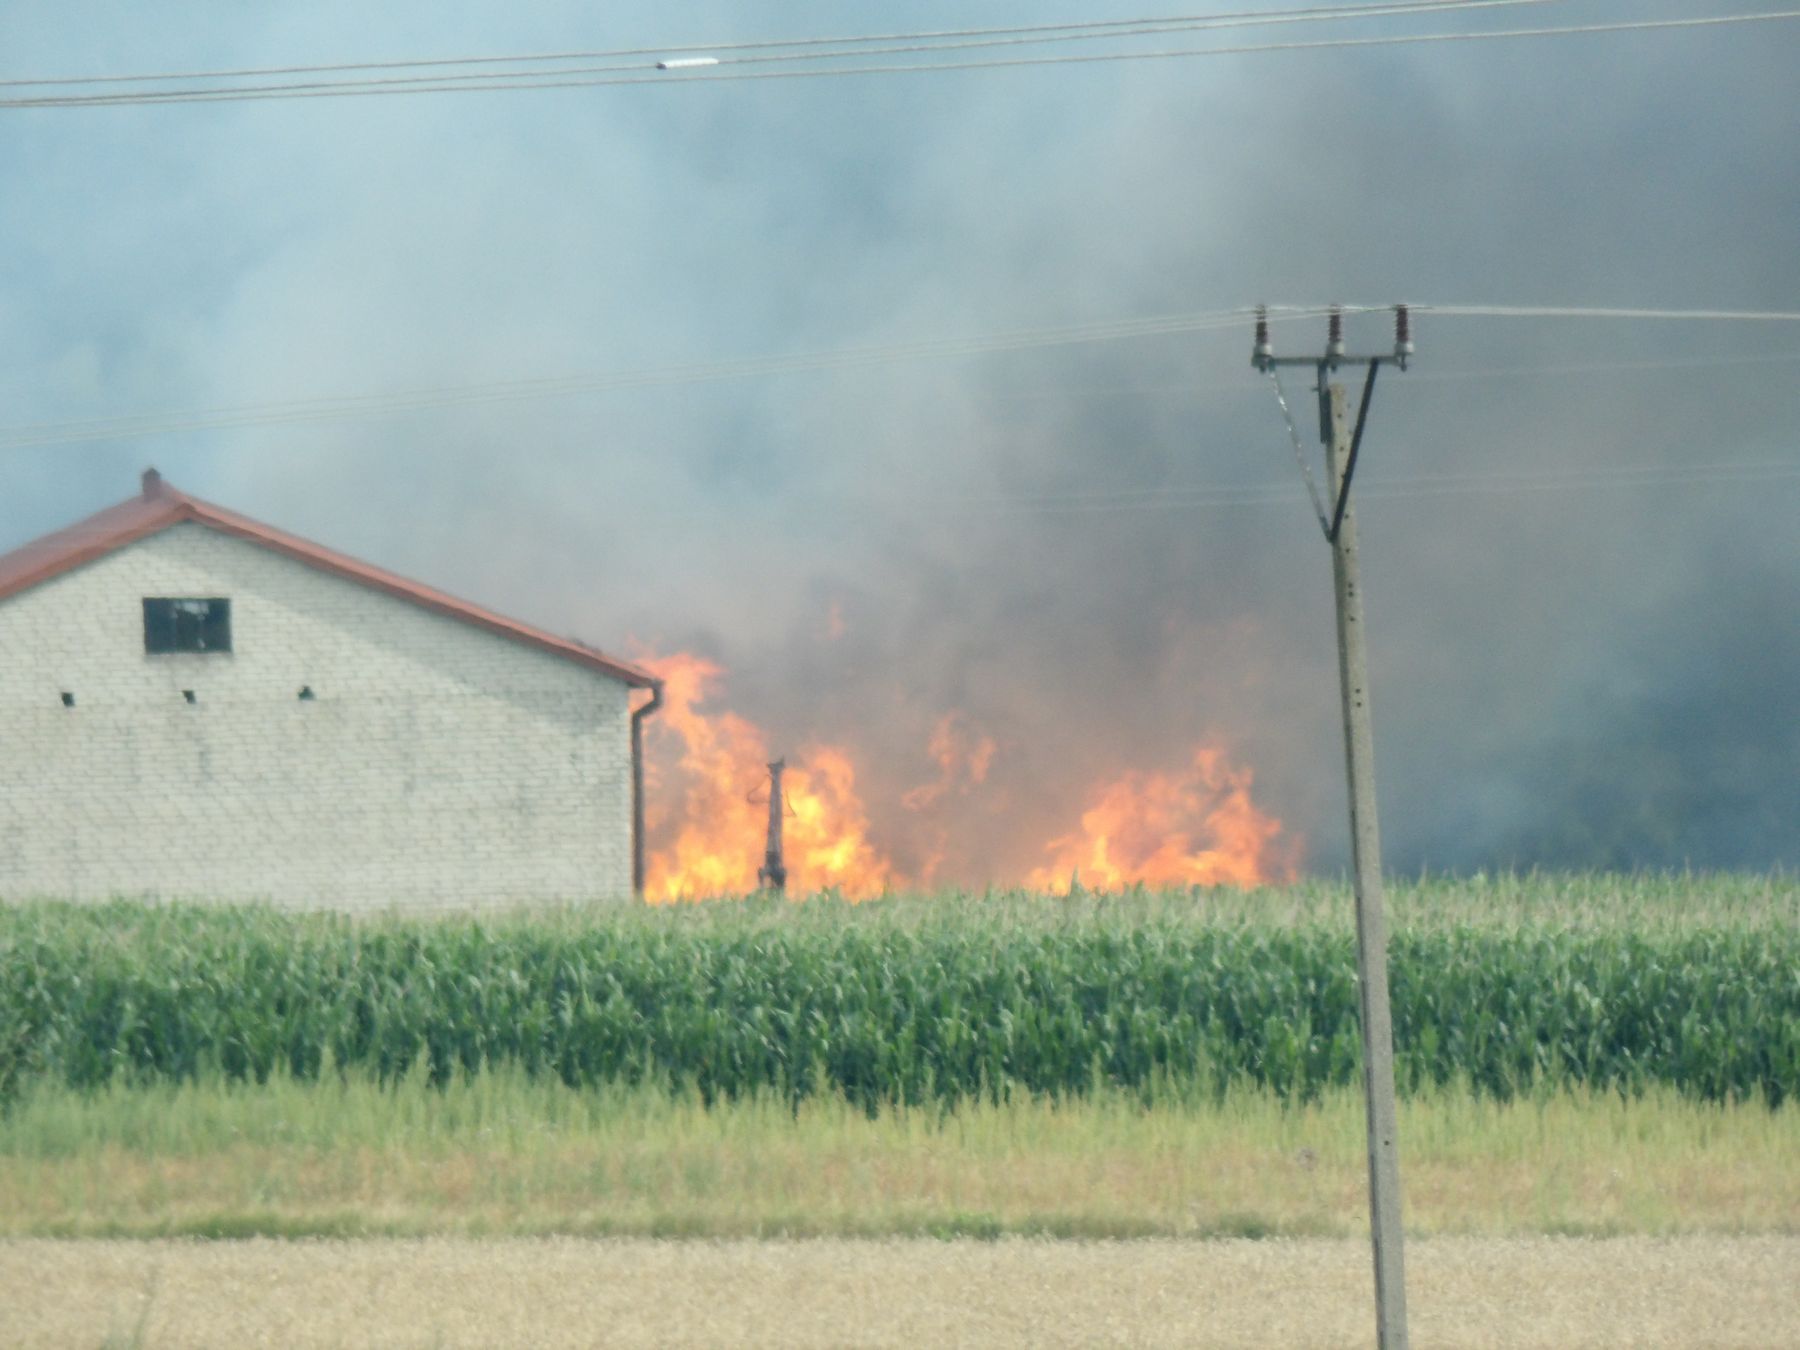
column 963, row 758
column 708, row 812
column 1194, row 828
column 714, row 839
column 959, row 754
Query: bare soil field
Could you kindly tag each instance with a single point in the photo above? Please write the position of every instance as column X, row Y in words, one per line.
column 1498, row 1292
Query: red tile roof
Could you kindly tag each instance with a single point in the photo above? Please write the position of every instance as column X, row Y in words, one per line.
column 160, row 506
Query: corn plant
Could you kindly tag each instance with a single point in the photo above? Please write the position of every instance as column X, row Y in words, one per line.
column 928, row 1000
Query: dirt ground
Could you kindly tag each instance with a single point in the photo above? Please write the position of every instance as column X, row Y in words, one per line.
column 1563, row 1292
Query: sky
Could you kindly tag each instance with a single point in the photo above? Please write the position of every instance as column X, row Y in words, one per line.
column 1580, row 603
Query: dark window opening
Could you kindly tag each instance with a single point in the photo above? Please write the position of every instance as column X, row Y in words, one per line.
column 183, row 625
column 306, row 693
column 68, row 699
column 188, row 694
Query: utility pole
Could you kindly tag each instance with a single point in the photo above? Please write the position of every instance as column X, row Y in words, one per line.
column 1343, row 441
column 772, row 875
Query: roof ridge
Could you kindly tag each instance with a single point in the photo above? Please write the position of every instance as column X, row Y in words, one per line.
column 160, row 505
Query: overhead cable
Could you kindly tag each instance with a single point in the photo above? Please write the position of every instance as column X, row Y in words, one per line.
column 1577, row 312
column 350, row 407
column 944, row 39
column 1200, row 496
column 1181, row 496
column 1461, row 311
column 721, row 72
column 362, row 405
column 805, row 50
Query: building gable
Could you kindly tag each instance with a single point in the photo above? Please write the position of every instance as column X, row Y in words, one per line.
column 160, row 507
column 193, row 710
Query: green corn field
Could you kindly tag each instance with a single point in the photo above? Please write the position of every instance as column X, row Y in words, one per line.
column 1511, row 985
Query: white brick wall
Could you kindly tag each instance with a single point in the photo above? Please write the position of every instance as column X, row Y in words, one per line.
column 438, row 764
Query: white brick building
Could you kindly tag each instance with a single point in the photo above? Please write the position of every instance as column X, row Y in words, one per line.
column 193, row 704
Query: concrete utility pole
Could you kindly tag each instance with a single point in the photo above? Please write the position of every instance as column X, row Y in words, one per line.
column 772, row 875
column 1342, row 442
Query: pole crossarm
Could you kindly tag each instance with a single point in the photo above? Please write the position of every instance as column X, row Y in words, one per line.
column 1329, row 363
column 1263, row 357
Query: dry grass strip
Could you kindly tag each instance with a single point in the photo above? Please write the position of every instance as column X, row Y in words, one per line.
column 503, row 1155
column 1499, row 1292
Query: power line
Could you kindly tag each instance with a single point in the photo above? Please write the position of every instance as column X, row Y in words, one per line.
column 491, row 80
column 946, row 39
column 1286, row 493
column 1564, row 368
column 1224, row 496
column 360, row 405
column 714, row 74
column 1560, row 369
column 1462, row 311
column 1575, row 312
column 350, row 407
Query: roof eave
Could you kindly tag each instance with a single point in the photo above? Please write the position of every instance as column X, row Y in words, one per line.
column 161, row 506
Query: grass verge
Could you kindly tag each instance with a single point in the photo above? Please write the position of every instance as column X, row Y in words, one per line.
column 502, row 1154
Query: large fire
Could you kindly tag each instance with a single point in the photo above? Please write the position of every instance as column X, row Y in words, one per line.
column 1193, row 828
column 708, row 812
column 717, row 820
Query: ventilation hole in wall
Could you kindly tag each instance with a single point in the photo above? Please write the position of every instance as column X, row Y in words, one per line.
column 306, row 693
column 188, row 694
column 68, row 699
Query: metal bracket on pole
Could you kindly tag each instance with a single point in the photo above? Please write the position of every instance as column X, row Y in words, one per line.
column 1264, row 359
column 1362, row 416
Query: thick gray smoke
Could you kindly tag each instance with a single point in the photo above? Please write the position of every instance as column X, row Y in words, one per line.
column 1577, row 662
